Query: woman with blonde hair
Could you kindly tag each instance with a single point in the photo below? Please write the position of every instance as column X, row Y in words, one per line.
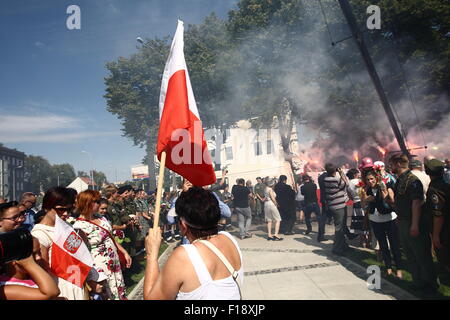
column 104, row 249
column 271, row 212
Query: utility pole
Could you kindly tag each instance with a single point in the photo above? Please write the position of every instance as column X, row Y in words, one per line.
column 359, row 39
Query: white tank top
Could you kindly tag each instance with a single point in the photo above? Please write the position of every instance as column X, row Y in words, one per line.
column 222, row 289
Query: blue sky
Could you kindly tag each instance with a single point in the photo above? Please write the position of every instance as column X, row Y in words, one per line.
column 52, row 78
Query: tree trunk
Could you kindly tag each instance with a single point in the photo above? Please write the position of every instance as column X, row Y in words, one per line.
column 285, row 125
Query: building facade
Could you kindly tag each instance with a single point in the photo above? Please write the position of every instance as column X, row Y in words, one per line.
column 11, row 173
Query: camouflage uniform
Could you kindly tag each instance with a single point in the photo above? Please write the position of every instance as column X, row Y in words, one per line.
column 438, row 205
column 417, row 249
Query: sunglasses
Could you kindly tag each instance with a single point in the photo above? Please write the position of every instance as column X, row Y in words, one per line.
column 62, row 210
column 16, row 218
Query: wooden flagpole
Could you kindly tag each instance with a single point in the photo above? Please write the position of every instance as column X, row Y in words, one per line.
column 162, row 165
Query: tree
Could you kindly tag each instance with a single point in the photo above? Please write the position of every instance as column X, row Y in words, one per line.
column 133, row 85
column 99, row 178
column 65, row 172
column 38, row 173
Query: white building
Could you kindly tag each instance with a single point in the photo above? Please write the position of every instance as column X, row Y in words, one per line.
column 247, row 153
column 81, row 184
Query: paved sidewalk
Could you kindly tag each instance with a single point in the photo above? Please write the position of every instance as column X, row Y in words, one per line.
column 300, row 268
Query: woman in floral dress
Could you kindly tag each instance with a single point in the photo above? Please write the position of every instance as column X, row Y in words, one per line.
column 104, row 249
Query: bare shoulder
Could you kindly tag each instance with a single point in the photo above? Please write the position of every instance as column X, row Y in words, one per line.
column 178, row 257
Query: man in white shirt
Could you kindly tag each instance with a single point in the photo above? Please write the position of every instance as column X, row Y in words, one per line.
column 416, row 169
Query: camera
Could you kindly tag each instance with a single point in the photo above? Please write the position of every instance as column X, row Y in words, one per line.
column 15, row 245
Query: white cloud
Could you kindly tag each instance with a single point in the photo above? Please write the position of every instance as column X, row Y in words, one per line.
column 39, row 44
column 49, row 128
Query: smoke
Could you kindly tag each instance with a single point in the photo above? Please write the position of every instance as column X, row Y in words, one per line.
column 333, row 92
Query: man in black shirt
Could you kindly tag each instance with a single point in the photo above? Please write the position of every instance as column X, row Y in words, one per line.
column 286, row 204
column 241, row 196
column 309, row 190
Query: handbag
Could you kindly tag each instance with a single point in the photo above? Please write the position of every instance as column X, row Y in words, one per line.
column 122, row 259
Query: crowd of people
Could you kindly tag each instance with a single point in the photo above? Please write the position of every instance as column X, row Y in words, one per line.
column 394, row 209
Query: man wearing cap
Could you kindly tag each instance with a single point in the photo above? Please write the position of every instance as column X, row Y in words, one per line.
column 416, row 169
column 414, row 227
column 438, row 207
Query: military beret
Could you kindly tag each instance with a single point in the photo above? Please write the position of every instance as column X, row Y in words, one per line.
column 434, row 165
column 415, row 164
column 122, row 189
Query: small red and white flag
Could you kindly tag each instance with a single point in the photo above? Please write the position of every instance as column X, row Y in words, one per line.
column 70, row 257
column 180, row 131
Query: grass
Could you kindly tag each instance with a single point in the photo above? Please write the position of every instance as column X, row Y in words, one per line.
column 137, row 270
column 366, row 259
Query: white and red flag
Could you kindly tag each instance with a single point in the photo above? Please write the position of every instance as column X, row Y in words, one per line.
column 70, row 258
column 180, row 131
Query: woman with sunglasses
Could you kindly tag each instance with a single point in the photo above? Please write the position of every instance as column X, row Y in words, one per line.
column 59, row 201
column 104, row 249
column 11, row 217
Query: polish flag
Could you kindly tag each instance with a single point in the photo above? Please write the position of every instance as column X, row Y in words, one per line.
column 180, row 131
column 70, row 257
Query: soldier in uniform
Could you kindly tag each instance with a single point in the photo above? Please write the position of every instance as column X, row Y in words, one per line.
column 438, row 207
column 414, row 227
column 128, row 212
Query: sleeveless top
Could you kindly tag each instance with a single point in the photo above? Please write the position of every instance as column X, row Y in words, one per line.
column 209, row 289
column 267, row 194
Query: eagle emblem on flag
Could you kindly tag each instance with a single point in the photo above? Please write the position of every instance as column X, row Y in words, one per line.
column 73, row 242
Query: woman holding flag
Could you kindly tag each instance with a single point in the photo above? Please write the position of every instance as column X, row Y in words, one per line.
column 64, row 254
column 210, row 267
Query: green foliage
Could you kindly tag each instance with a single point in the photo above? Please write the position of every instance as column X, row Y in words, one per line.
column 272, row 61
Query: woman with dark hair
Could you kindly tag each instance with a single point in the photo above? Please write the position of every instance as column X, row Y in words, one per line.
column 104, row 249
column 383, row 219
column 210, row 267
column 58, row 201
column 11, row 217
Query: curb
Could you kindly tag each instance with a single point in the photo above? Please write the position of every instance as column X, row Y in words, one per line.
column 138, row 291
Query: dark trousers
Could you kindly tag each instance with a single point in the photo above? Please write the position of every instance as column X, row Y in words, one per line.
column 287, row 219
column 418, row 255
column 340, row 225
column 385, row 231
column 314, row 207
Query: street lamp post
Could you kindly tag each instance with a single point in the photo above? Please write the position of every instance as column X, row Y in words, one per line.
column 61, row 173
column 92, row 168
column 14, row 168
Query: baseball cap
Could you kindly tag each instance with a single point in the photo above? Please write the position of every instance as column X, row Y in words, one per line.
column 366, row 163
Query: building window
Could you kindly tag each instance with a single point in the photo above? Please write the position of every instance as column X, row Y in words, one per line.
column 270, row 148
column 258, row 148
column 229, row 153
